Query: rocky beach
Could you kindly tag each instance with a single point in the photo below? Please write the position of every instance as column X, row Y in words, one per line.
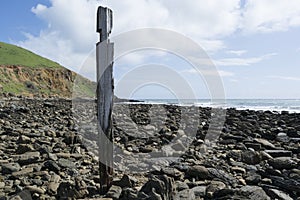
column 48, row 150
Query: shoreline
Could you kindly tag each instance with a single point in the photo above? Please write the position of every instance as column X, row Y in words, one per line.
column 142, row 102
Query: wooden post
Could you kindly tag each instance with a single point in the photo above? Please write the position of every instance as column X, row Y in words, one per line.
column 105, row 85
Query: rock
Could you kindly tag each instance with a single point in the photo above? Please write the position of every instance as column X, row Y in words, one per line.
column 114, row 192
column 185, row 195
column 285, row 183
column 199, row 191
column 34, row 189
column 172, row 172
column 10, row 168
column 181, row 186
column 265, row 143
column 2, row 185
column 53, row 184
column 279, row 153
column 126, row 181
column 66, row 163
column 255, row 146
column 25, row 194
column 251, row 157
column 253, row 193
column 213, row 187
column 51, row 166
column 129, row 193
column 282, row 163
column 22, row 172
column 197, row 171
column 282, row 137
column 265, row 156
column 27, row 158
column 277, row 194
column 162, row 185
column 253, row 179
column 23, row 148
column 222, row 175
column 238, row 169
column 66, row 190
column 23, row 139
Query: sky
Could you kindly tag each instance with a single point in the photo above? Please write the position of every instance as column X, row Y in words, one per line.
column 253, row 44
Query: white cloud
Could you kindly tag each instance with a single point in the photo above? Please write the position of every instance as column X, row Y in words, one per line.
column 242, row 61
column 38, row 9
column 270, row 15
column 237, row 52
column 290, row 78
column 70, row 35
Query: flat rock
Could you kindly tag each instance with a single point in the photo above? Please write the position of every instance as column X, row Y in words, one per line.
column 265, row 143
column 279, row 153
column 66, row 163
column 22, row 172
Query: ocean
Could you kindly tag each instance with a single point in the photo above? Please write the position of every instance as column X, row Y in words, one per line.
column 291, row 105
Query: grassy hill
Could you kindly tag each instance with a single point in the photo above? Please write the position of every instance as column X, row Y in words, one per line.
column 27, row 74
column 14, row 55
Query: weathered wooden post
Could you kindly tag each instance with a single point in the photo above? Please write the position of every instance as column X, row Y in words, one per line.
column 105, row 86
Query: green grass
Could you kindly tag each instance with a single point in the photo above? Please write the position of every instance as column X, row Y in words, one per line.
column 14, row 55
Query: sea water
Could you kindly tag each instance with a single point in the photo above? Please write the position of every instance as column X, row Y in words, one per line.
column 291, row 105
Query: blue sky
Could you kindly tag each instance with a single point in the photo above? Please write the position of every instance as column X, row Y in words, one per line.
column 255, row 45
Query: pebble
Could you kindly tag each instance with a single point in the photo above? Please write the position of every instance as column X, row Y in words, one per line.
column 41, row 152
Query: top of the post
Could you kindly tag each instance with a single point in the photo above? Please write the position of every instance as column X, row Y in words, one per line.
column 104, row 22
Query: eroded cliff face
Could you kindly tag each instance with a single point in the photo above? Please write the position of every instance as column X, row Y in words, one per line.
column 42, row 82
